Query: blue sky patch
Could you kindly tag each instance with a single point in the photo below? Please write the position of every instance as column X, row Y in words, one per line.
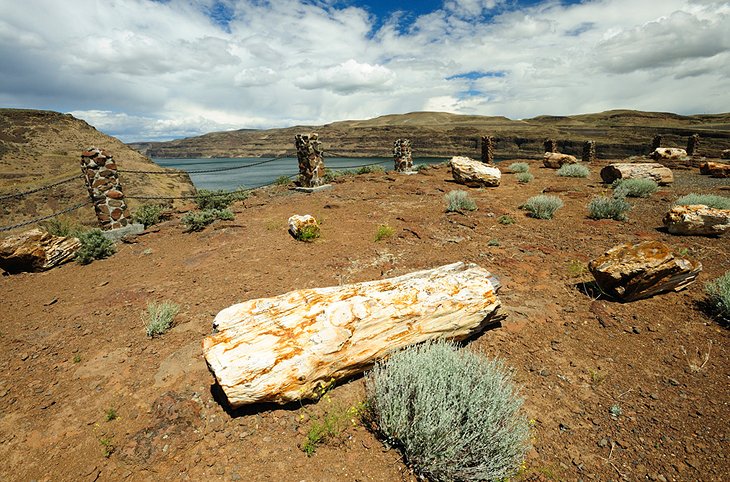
column 475, row 75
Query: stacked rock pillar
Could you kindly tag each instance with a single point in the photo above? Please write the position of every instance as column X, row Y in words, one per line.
column 589, row 151
column 402, row 155
column 102, row 181
column 693, row 145
column 656, row 143
column 488, row 149
column 311, row 163
column 550, row 145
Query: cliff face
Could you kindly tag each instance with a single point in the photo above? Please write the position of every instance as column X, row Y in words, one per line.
column 38, row 148
column 618, row 133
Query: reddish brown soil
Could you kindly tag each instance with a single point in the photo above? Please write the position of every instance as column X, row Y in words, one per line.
column 74, row 343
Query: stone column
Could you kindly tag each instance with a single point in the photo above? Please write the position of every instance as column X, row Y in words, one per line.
column 102, row 181
column 656, row 143
column 589, row 151
column 550, row 145
column 311, row 164
column 488, row 149
column 402, row 155
column 693, row 145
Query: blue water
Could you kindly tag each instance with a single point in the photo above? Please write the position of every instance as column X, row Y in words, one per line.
column 254, row 176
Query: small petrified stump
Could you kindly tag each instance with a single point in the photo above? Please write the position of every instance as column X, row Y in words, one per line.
column 285, row 348
column 473, row 173
column 298, row 223
column 632, row 272
column 715, row 169
column 402, row 155
column 656, row 142
column 639, row 170
column 488, row 149
column 668, row 154
column 105, row 190
column 550, row 145
column 311, row 163
column 589, row 151
column 697, row 220
column 554, row 160
column 36, row 250
column 693, row 145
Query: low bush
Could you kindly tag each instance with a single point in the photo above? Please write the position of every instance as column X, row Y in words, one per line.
column 519, row 167
column 542, row 206
column 524, row 177
column 159, row 317
column 332, row 427
column 603, row 207
column 198, row 220
column 458, row 202
column 308, row 233
column 219, row 199
column 718, row 294
column 148, row 214
column 455, row 414
column 504, row 219
column 330, row 175
column 634, row 187
column 94, row 246
column 709, row 200
column 573, row 170
column 370, row 169
column 63, row 226
column 284, row 180
column 384, row 231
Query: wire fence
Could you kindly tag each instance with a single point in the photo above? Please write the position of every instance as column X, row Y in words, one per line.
column 38, row 189
column 43, row 218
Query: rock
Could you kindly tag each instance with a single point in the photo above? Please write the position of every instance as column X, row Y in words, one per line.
column 715, row 169
column 555, row 160
column 725, row 154
column 632, row 272
column 668, row 154
column 474, row 173
column 130, row 230
column 288, row 347
column 697, row 220
column 297, row 223
column 36, row 250
column 640, row 170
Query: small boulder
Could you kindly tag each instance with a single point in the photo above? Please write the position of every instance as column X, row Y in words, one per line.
column 715, row 169
column 725, row 154
column 697, row 220
column 555, row 160
column 297, row 223
column 632, row 272
column 36, row 250
column 474, row 173
column 637, row 170
column 668, row 154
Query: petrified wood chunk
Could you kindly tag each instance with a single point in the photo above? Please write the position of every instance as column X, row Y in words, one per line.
column 715, row 169
column 36, row 250
column 639, row 170
column 297, row 223
column 632, row 272
column 668, row 153
column 474, row 173
column 698, row 220
column 284, row 348
column 555, row 160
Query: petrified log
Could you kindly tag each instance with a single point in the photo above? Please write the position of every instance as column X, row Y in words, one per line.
column 697, row 220
column 474, row 173
column 287, row 347
column 715, row 169
column 36, row 250
column 555, row 160
column 639, row 170
column 668, row 154
column 297, row 223
column 632, row 272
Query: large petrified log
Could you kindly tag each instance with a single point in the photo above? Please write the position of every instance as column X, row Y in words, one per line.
column 474, row 173
column 668, row 154
column 697, row 220
column 555, row 160
column 639, row 170
column 287, row 347
column 36, row 250
column 715, row 169
column 632, row 272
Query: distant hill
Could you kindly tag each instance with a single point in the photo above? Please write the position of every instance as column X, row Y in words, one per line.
column 38, row 148
column 618, row 133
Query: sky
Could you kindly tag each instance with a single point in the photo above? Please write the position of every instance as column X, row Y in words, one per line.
column 164, row 69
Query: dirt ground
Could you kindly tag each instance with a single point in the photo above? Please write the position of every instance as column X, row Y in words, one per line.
column 635, row 391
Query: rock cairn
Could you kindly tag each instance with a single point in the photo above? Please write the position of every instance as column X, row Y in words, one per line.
column 311, row 163
column 102, row 182
column 550, row 145
column 589, row 151
column 693, row 145
column 402, row 155
column 656, row 143
column 488, row 149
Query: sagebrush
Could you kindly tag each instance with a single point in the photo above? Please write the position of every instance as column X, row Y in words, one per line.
column 519, row 167
column 219, row 199
column 634, row 187
column 524, row 177
column 94, row 246
column 63, row 226
column 198, row 220
column 604, row 207
column 459, row 201
column 148, row 214
column 370, row 169
column 718, row 294
column 160, row 317
column 573, row 170
column 542, row 206
column 709, row 200
column 455, row 414
column 384, row 231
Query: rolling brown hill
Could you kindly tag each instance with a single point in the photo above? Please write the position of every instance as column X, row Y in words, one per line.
column 618, row 133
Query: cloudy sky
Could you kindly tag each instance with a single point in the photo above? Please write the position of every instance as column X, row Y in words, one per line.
column 162, row 69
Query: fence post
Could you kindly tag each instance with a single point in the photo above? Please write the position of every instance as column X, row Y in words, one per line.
column 102, row 182
column 656, row 143
column 589, row 151
column 402, row 155
column 693, row 145
column 550, row 145
column 488, row 149
column 309, row 155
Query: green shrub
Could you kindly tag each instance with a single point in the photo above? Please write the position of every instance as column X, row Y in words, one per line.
column 504, row 219
column 455, row 414
column 384, row 231
column 63, row 226
column 519, row 167
column 94, row 246
column 283, row 180
column 634, row 187
column 370, row 169
column 603, row 207
column 458, row 202
column 709, row 200
column 149, row 214
column 219, row 199
column 421, row 167
column 524, row 177
column 330, row 175
column 333, row 426
column 542, row 206
column 198, row 220
column 718, row 292
column 308, row 233
column 573, row 170
column 159, row 317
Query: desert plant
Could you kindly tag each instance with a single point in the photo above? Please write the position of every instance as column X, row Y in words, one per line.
column 219, row 199
column 94, row 246
column 455, row 414
column 148, row 214
column 308, row 233
column 493, row 242
column 198, row 220
column 159, row 317
column 519, row 167
column 524, row 177
column 111, row 414
column 107, row 446
column 573, row 170
column 604, row 207
column 63, row 226
column 576, row 268
column 634, row 187
column 542, row 206
column 421, row 167
column 718, row 294
column 458, row 202
column 384, row 231
column 709, row 200
column 332, row 427
column 284, row 180
column 370, row 169
column 506, row 220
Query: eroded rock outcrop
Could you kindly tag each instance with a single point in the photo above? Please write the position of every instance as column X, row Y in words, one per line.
column 36, row 250
column 555, row 160
column 639, row 170
column 473, row 173
column 697, row 220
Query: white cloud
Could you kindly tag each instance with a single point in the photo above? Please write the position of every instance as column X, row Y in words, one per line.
column 348, row 77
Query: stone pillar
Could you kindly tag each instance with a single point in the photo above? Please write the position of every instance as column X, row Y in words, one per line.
column 488, row 149
column 402, row 155
column 311, row 164
column 589, row 151
column 693, row 145
column 656, row 143
column 550, row 145
column 102, row 181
